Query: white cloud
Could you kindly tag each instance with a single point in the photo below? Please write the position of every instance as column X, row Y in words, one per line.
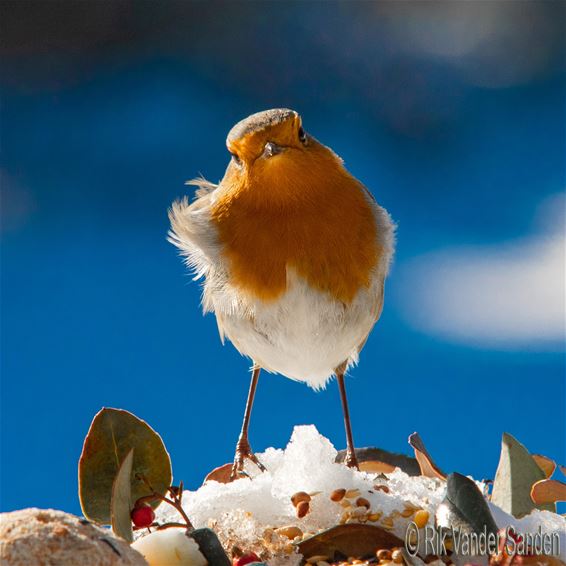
column 501, row 297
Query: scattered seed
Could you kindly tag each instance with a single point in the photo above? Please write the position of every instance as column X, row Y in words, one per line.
column 268, row 535
column 383, row 554
column 299, row 497
column 421, row 518
column 236, row 552
column 362, row 502
column 387, row 523
column 374, row 516
column 397, row 556
column 346, row 504
column 345, row 516
column 317, row 558
column 407, row 512
column 290, row 531
column 351, row 493
column 302, row 509
column 359, row 512
column 383, row 488
column 338, row 495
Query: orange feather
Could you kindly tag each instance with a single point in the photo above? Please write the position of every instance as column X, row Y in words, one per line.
column 299, row 209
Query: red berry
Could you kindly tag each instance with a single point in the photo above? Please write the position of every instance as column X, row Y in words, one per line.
column 515, row 535
column 142, row 516
column 246, row 559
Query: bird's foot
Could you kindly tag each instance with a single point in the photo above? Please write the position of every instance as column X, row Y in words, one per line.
column 243, row 453
column 350, row 460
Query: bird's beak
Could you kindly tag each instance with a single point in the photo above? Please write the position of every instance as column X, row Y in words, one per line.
column 271, row 149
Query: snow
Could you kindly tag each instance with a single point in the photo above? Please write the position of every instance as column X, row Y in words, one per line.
column 242, row 510
column 307, row 464
column 531, row 523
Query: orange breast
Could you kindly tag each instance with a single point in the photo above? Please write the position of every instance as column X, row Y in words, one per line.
column 321, row 224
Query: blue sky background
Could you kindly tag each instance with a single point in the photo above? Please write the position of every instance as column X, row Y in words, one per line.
column 109, row 108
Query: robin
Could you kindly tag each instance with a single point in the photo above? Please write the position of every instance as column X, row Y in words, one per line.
column 294, row 252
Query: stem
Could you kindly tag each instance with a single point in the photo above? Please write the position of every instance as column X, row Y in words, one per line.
column 176, row 502
column 178, row 507
column 170, row 525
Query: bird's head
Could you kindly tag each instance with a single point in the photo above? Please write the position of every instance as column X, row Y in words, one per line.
column 276, row 160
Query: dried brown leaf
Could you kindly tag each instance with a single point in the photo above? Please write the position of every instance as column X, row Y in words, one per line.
column 548, row 491
column 349, row 540
column 376, row 467
column 426, row 463
column 222, row 474
column 545, row 464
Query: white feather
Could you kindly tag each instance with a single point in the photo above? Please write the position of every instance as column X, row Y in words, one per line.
column 305, row 334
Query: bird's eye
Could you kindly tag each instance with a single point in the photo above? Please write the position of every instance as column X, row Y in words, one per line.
column 302, row 136
column 236, row 159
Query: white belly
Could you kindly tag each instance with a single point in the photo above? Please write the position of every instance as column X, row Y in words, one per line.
column 305, row 335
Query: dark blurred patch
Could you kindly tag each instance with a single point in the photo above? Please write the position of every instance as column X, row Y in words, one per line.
column 405, row 62
column 32, row 28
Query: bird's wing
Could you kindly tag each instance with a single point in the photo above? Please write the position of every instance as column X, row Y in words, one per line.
column 386, row 242
column 375, row 309
column 191, row 229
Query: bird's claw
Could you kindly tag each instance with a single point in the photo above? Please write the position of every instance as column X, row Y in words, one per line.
column 243, row 452
column 351, row 461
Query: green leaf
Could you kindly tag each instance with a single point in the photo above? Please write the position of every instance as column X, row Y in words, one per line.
column 112, row 434
column 464, row 507
column 121, row 502
column 515, row 476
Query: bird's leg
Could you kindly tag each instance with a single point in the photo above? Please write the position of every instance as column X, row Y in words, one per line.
column 350, row 460
column 243, row 449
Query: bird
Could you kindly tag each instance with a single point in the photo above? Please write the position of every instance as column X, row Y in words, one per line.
column 293, row 252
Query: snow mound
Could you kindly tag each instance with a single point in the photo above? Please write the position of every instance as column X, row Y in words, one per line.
column 250, row 509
